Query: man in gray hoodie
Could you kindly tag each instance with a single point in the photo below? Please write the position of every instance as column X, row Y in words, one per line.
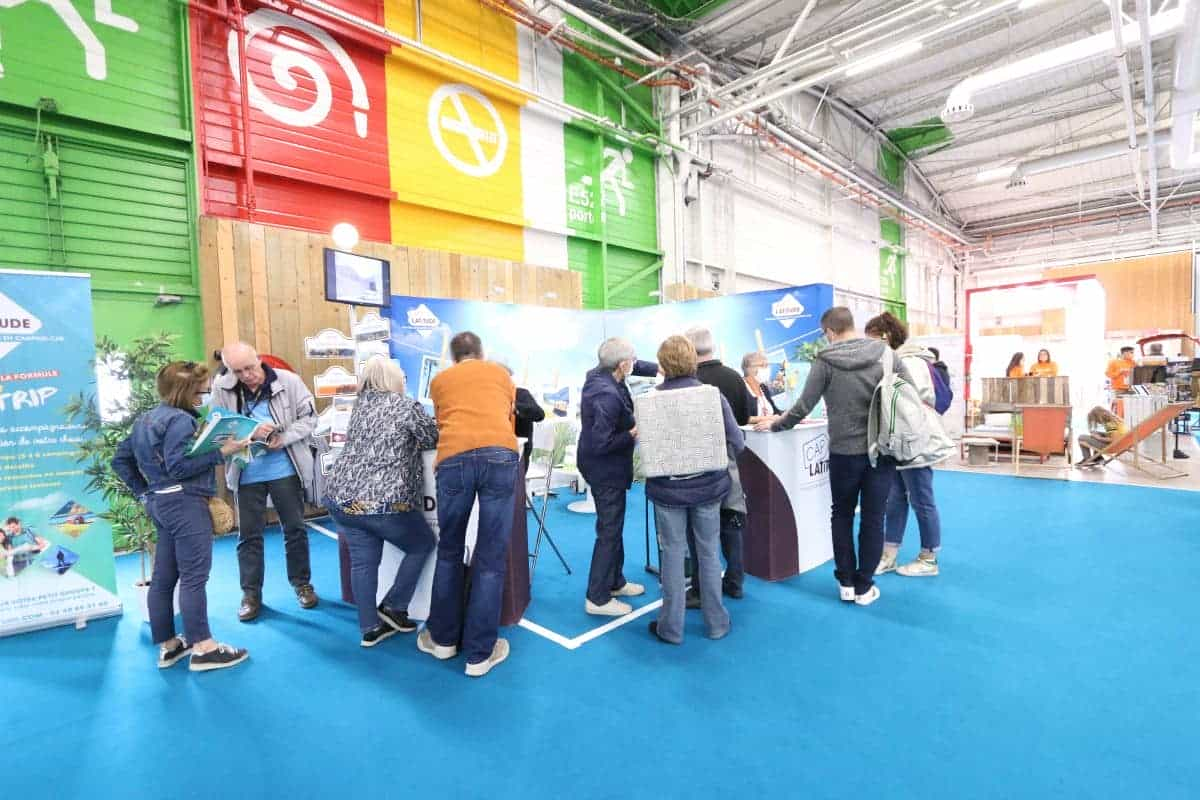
column 846, row 373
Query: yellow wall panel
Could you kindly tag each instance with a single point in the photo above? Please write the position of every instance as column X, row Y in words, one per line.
column 435, row 229
column 465, row 29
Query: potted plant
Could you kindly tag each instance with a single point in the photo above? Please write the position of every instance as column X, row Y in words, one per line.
column 135, row 366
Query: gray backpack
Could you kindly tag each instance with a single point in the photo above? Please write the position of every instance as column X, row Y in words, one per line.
column 897, row 425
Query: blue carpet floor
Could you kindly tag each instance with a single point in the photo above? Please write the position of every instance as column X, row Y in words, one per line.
column 1056, row 656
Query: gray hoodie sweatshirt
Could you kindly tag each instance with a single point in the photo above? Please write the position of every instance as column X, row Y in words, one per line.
column 845, row 374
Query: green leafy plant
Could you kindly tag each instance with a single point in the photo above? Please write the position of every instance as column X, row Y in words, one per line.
column 138, row 365
column 807, row 351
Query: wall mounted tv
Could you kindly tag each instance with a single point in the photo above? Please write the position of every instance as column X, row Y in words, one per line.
column 357, row 280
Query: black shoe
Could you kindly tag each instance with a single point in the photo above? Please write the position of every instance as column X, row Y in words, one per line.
column 654, row 633
column 306, row 596
column 168, row 658
column 225, row 655
column 250, row 607
column 397, row 620
column 692, row 599
column 735, row 592
column 1181, row 454
column 377, row 634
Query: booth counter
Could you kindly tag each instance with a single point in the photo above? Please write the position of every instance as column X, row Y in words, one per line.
column 516, row 578
column 785, row 477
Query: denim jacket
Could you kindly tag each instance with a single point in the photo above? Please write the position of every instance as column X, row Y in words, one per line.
column 154, row 457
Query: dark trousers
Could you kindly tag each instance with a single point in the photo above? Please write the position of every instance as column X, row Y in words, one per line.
column 854, row 482
column 184, row 556
column 287, row 494
column 732, row 524
column 607, row 573
column 489, row 473
column 365, row 535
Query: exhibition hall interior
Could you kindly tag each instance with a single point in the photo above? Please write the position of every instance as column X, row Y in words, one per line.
column 599, row 398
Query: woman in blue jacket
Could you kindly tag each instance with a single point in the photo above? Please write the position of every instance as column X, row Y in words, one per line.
column 175, row 489
column 695, row 499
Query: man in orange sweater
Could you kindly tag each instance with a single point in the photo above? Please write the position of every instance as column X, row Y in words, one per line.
column 1120, row 370
column 476, row 456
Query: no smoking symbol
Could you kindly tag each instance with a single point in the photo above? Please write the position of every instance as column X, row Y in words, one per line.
column 485, row 136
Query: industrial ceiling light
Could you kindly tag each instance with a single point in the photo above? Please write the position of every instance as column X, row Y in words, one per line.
column 886, row 57
column 344, row 236
column 993, row 175
column 960, row 103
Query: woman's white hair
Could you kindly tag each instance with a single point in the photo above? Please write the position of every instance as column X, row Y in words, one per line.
column 381, row 374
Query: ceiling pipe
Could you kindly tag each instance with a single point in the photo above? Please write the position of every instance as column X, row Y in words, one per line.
column 1072, row 158
column 793, row 31
column 815, row 55
column 606, row 29
column 853, row 67
column 960, row 103
column 1092, row 215
column 1185, row 95
column 729, row 18
column 1135, row 152
column 1143, row 11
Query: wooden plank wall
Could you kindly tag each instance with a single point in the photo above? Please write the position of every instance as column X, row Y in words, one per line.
column 266, row 285
column 1142, row 294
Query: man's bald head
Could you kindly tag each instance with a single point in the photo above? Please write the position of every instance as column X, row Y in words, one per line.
column 242, row 360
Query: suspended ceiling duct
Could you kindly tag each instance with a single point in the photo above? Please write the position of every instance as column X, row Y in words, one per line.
column 1185, row 97
column 960, row 105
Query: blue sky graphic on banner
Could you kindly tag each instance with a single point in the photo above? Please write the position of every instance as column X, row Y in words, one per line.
column 550, row 349
column 56, row 563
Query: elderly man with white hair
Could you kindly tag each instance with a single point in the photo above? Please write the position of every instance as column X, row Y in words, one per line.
column 729, row 383
column 605, row 457
column 284, row 472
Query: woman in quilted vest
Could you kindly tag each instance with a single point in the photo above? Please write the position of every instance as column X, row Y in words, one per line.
column 375, row 493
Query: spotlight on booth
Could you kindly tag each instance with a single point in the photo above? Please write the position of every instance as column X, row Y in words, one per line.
column 344, row 235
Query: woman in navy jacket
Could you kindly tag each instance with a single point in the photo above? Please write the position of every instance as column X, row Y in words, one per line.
column 695, row 500
column 175, row 489
column 605, row 459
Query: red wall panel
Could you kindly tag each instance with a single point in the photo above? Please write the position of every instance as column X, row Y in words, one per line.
column 318, row 120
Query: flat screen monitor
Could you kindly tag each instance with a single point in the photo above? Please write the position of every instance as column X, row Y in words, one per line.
column 357, row 280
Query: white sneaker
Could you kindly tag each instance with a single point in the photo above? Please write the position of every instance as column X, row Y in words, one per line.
column 888, row 562
column 426, row 644
column 919, row 568
column 613, row 608
column 499, row 653
column 630, row 589
column 870, row 597
column 847, row 593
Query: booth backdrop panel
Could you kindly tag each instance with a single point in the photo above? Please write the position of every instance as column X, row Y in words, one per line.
column 1142, row 294
column 61, row 567
column 266, row 285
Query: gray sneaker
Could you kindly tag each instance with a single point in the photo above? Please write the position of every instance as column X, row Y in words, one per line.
column 499, row 653
column 888, row 562
column 919, row 568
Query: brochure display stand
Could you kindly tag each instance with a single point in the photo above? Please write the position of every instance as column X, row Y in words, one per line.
column 785, row 477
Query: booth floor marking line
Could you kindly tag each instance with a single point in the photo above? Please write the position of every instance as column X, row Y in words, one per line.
column 546, row 633
column 322, row 530
column 595, row 633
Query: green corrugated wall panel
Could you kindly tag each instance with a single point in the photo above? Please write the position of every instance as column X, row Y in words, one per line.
column 121, row 128
column 689, row 9
column 611, row 192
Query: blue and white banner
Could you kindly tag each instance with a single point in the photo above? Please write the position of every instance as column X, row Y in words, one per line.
column 550, row 349
column 56, row 559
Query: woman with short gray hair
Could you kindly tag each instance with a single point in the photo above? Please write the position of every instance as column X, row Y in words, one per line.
column 375, row 494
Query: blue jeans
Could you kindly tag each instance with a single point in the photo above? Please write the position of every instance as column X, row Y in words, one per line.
column 183, row 556
column 913, row 487
column 732, row 523
column 365, row 535
column 491, row 474
column 672, row 524
column 852, row 478
column 607, row 573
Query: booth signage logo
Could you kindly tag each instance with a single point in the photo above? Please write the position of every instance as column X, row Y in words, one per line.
column 816, row 456
column 15, row 324
column 786, row 310
column 422, row 318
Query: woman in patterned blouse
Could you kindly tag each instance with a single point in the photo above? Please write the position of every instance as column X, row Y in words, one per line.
column 375, row 492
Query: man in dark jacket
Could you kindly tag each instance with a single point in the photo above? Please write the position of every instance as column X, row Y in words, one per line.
column 729, row 383
column 846, row 374
column 528, row 411
column 605, row 459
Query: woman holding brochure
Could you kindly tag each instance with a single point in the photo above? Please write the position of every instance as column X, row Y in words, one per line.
column 155, row 463
column 375, row 493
